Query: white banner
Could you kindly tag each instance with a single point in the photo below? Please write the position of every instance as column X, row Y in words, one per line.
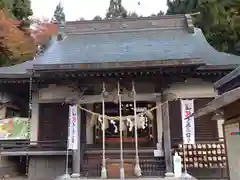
column 188, row 125
column 73, row 128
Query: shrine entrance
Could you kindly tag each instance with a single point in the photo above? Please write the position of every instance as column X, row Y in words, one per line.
column 146, row 125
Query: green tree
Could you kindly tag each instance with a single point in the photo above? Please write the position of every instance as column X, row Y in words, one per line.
column 97, row 17
column 132, row 15
column 18, row 9
column 219, row 20
column 59, row 15
column 116, row 10
column 161, row 13
column 81, row 19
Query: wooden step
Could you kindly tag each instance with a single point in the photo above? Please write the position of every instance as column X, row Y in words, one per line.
column 115, row 154
column 149, row 167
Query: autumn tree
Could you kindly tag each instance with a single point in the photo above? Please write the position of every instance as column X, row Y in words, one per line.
column 116, row 10
column 42, row 32
column 59, row 15
column 15, row 45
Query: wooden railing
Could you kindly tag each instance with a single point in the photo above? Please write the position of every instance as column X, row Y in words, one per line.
column 27, row 145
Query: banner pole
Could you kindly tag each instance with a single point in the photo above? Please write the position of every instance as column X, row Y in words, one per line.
column 184, row 158
column 67, row 159
column 67, row 153
column 188, row 128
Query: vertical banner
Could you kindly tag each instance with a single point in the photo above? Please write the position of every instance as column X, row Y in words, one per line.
column 188, row 125
column 73, row 128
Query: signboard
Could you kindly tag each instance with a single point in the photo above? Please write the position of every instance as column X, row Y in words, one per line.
column 14, row 128
column 188, row 125
column 73, row 128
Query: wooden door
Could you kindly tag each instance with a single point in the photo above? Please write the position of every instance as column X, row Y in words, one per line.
column 53, row 121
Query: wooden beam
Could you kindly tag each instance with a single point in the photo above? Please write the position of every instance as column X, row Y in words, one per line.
column 91, row 99
column 219, row 102
column 34, row 153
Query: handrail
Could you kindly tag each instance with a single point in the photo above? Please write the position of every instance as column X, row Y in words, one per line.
column 28, row 145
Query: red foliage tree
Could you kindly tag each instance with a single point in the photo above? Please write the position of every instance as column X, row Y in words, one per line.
column 17, row 45
column 43, row 32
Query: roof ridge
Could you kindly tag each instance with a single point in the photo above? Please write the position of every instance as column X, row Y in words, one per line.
column 126, row 19
column 167, row 21
column 123, row 31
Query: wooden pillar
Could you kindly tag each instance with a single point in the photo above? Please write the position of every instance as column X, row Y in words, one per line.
column 159, row 129
column 167, row 138
column 89, row 128
column 76, row 157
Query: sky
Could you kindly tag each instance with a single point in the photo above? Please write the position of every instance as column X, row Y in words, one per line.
column 75, row 9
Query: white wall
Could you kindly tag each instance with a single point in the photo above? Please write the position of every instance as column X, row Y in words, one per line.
column 34, row 120
column 192, row 88
column 55, row 92
column 233, row 149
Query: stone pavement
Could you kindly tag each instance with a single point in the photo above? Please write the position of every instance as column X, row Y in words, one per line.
column 172, row 178
column 142, row 178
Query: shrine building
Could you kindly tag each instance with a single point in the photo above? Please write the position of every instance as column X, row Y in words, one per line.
column 115, row 69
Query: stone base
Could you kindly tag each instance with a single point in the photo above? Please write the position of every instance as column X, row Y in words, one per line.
column 169, row 174
column 75, row 175
column 46, row 167
column 7, row 167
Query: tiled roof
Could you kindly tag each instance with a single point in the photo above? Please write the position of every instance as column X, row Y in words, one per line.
column 125, row 46
column 135, row 46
